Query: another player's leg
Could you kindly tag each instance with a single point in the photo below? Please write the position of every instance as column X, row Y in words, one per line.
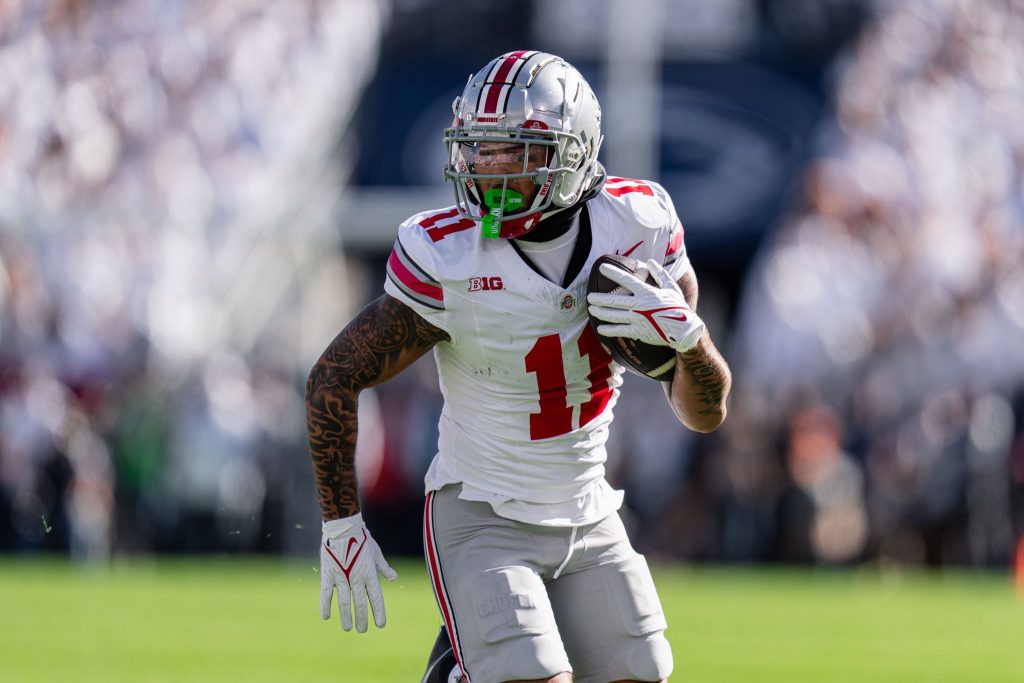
column 441, row 665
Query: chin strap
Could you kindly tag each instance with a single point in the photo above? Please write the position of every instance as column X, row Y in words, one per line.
column 595, row 188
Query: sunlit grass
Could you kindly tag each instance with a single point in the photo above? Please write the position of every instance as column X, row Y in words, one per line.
column 224, row 619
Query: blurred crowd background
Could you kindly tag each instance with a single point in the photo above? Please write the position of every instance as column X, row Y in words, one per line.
column 196, row 196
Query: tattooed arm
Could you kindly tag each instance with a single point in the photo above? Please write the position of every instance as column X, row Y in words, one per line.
column 381, row 341
column 702, row 379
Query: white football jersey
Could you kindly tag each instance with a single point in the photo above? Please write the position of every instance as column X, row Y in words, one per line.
column 528, row 389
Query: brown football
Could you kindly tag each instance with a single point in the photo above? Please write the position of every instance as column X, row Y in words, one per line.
column 656, row 362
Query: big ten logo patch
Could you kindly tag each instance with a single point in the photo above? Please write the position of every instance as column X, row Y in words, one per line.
column 485, row 284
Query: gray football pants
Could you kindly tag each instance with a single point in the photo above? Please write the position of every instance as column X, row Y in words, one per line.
column 523, row 601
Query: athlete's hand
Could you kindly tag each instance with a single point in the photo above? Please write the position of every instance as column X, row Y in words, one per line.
column 654, row 315
column 350, row 560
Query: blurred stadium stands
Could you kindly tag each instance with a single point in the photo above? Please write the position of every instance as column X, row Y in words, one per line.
column 194, row 197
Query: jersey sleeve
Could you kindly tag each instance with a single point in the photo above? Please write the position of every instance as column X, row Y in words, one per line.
column 413, row 277
column 675, row 260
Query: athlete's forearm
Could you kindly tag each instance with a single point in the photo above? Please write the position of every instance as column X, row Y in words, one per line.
column 331, row 405
column 702, row 378
column 700, row 387
column 381, row 341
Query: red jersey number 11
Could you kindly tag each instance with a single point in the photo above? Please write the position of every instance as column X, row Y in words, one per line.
column 545, row 359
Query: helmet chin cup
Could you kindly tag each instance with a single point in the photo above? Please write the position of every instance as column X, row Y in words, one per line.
column 502, row 215
column 517, row 227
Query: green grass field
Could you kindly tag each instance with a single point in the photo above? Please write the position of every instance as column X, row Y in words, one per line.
column 243, row 620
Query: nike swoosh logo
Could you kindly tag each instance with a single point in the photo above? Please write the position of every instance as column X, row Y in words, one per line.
column 630, row 250
column 348, row 550
column 649, row 314
column 346, row 567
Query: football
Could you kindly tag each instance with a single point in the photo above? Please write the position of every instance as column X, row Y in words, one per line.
column 656, row 362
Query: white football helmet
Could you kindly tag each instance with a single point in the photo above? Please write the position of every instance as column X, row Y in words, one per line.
column 533, row 99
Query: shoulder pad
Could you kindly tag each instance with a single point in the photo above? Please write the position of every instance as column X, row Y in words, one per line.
column 644, row 200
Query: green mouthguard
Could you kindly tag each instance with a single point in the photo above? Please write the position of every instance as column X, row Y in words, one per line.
column 499, row 202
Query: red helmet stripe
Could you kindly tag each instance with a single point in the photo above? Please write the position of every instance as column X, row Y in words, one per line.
column 494, row 93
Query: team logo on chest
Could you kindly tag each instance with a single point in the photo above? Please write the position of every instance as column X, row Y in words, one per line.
column 485, row 284
column 571, row 302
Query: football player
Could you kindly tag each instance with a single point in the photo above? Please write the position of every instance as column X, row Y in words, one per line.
column 533, row 573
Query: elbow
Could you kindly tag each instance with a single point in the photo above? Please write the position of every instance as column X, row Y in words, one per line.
column 708, row 421
column 315, row 382
column 325, row 379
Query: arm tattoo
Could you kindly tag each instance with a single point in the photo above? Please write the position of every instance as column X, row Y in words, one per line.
column 382, row 340
column 707, row 374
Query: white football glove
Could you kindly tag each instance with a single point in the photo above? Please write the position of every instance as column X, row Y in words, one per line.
column 350, row 560
column 654, row 315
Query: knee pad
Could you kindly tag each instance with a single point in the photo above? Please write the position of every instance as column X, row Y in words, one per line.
column 651, row 659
